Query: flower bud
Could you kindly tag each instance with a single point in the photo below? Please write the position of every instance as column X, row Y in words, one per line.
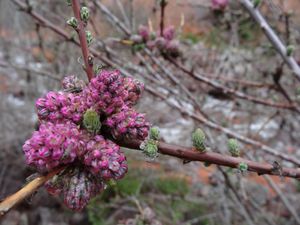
column 198, row 138
column 72, row 22
column 150, row 148
column 84, row 14
column 154, row 133
column 243, row 167
column 169, row 33
column 91, row 121
column 89, row 37
column 233, row 147
column 144, row 32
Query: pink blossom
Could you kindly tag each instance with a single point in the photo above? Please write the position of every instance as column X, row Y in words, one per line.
column 62, row 139
column 144, row 32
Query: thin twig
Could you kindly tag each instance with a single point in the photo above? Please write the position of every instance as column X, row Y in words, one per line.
column 272, row 36
column 227, row 131
column 285, row 201
column 24, row 192
column 235, row 93
column 163, row 4
column 82, row 38
column 113, row 18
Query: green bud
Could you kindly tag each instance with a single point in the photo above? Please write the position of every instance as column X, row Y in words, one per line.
column 289, row 50
column 256, row 3
column 91, row 121
column 84, row 14
column 72, row 22
column 154, row 133
column 138, row 47
column 233, row 147
column 150, row 148
column 198, row 138
column 69, row 3
column 89, row 37
column 243, row 167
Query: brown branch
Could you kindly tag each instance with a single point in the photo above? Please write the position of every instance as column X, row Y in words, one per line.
column 216, row 158
column 163, row 4
column 46, row 23
column 82, row 38
column 165, row 149
column 24, row 192
column 227, row 131
column 235, row 93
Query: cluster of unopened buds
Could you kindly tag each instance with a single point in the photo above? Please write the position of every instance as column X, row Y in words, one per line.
column 165, row 42
column 77, row 130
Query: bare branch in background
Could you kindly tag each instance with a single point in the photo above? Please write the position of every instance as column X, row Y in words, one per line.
column 272, row 36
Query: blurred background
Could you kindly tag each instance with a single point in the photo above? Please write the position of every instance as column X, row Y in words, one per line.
column 225, row 45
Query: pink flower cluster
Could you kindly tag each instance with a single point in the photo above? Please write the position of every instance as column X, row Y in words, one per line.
column 219, row 4
column 54, row 144
column 57, row 106
column 165, row 42
column 128, row 123
column 62, row 139
column 104, row 158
